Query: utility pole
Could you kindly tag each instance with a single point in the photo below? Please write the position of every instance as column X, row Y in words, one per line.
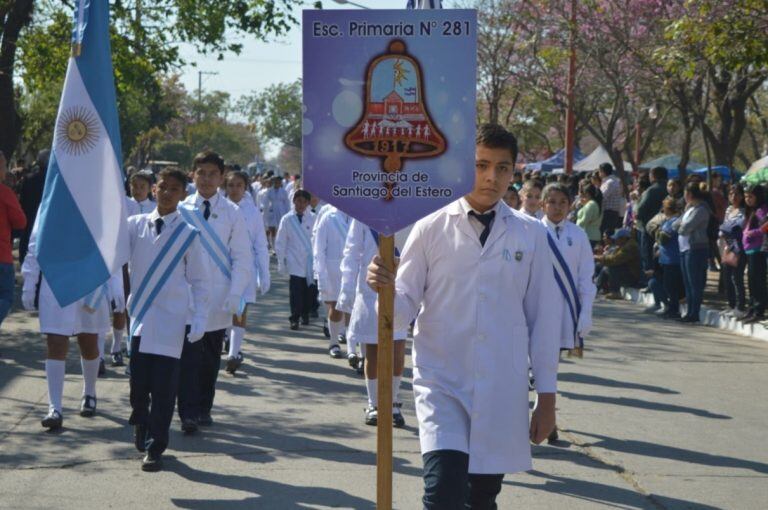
column 570, row 120
column 200, row 91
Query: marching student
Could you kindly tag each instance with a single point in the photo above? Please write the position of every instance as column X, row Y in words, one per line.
column 85, row 319
column 293, row 247
column 237, row 184
column 166, row 261
column 574, row 265
column 531, row 199
column 141, row 187
column 479, row 277
column 225, row 238
column 359, row 300
column 330, row 234
column 276, row 205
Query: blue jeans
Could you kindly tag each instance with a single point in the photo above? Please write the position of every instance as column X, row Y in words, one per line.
column 7, row 283
column 448, row 485
column 694, row 266
column 657, row 289
column 673, row 287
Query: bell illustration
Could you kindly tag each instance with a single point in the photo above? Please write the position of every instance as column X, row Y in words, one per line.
column 395, row 124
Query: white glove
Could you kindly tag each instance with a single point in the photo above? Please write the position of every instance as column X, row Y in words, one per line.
column 28, row 299
column 265, row 283
column 119, row 301
column 232, row 304
column 197, row 331
column 585, row 324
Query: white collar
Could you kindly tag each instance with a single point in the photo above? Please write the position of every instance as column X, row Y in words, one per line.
column 214, row 200
column 167, row 219
column 464, row 207
column 554, row 226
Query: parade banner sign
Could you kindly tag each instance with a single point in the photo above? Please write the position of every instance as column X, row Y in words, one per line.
column 389, row 111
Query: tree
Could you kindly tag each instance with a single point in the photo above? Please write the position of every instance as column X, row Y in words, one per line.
column 276, row 112
column 14, row 16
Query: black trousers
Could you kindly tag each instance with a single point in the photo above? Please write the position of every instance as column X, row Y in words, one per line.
column 757, row 284
column 200, row 363
column 611, row 221
column 300, row 296
column 154, row 381
column 734, row 283
column 448, row 485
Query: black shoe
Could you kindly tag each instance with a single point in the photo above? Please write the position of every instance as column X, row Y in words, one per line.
column 53, row 420
column 398, row 420
column 152, row 462
column 102, row 368
column 361, row 368
column 353, row 359
column 225, row 346
column 371, row 416
column 752, row 317
column 88, row 406
column 234, row 363
column 205, row 420
column 670, row 315
column 117, row 359
column 294, row 325
column 553, row 437
column 342, row 338
column 335, row 352
column 305, row 321
column 326, row 331
column 140, row 437
column 689, row 319
column 189, row 426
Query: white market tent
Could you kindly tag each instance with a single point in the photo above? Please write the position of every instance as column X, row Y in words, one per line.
column 594, row 160
column 758, row 165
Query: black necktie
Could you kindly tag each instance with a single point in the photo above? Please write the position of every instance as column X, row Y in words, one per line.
column 207, row 212
column 299, row 216
column 558, row 229
column 159, row 225
column 486, row 220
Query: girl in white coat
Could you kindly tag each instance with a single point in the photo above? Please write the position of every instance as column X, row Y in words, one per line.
column 276, row 205
column 236, row 185
column 85, row 319
column 359, row 300
column 479, row 276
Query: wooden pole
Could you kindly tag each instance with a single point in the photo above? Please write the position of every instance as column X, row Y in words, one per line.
column 570, row 119
column 385, row 370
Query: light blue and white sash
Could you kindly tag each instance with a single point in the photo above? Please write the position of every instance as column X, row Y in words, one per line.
column 567, row 285
column 302, row 235
column 215, row 247
column 160, row 270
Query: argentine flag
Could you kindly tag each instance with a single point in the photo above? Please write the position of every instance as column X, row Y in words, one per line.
column 82, row 230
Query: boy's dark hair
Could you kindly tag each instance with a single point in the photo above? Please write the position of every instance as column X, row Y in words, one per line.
column 240, row 175
column 557, row 187
column 606, row 168
column 659, row 173
column 208, row 156
column 302, row 193
column 494, row 136
column 532, row 183
column 141, row 176
column 173, row 173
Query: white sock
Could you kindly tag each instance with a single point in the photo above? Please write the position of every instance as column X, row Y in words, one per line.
column 102, row 339
column 90, row 373
column 343, row 328
column 54, row 375
column 373, row 391
column 117, row 340
column 235, row 340
column 335, row 329
column 396, row 388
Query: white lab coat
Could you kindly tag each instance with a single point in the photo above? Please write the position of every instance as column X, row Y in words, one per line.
column 356, row 297
column 227, row 220
column 574, row 246
column 330, row 234
column 276, row 205
column 259, row 249
column 482, row 311
column 162, row 327
column 291, row 250
column 261, row 201
column 67, row 321
column 134, row 207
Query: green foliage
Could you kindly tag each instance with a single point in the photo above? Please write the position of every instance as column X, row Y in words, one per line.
column 234, row 141
column 174, row 150
column 276, row 112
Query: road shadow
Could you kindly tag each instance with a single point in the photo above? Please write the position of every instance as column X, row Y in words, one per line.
column 604, row 382
column 644, row 404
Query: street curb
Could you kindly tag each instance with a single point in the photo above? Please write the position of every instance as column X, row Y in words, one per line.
column 708, row 316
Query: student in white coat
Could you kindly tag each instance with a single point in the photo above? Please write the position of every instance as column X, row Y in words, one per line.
column 276, row 205
column 85, row 319
column 293, row 247
column 237, row 184
column 330, row 234
column 169, row 273
column 225, row 239
column 479, row 276
column 359, row 300
column 574, row 265
column 140, row 201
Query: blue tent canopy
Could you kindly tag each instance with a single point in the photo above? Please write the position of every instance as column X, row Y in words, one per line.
column 557, row 160
column 722, row 170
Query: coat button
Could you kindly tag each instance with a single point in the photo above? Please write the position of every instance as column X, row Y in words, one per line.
column 481, row 336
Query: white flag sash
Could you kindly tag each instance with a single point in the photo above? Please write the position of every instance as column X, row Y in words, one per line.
column 213, row 245
column 567, row 286
column 302, row 235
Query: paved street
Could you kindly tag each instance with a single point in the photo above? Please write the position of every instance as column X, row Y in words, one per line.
column 657, row 416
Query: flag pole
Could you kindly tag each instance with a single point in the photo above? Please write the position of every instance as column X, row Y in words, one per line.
column 385, row 375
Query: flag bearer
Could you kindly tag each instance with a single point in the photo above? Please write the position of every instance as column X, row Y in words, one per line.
column 166, row 260
column 225, row 240
column 479, row 277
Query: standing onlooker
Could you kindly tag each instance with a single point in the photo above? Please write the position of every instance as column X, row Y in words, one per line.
column 755, row 213
column 589, row 215
column 733, row 258
column 648, row 206
column 694, row 248
column 31, row 194
column 11, row 218
column 669, row 259
column 613, row 198
column 675, row 190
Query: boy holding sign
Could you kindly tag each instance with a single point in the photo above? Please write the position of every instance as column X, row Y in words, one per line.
column 470, row 376
column 166, row 260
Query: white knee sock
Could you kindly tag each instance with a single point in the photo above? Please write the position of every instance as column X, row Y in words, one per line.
column 335, row 329
column 102, row 339
column 373, row 391
column 342, row 328
column 396, row 388
column 90, row 373
column 117, row 341
column 235, row 340
column 54, row 375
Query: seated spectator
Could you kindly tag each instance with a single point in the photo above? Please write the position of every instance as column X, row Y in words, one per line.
column 620, row 268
